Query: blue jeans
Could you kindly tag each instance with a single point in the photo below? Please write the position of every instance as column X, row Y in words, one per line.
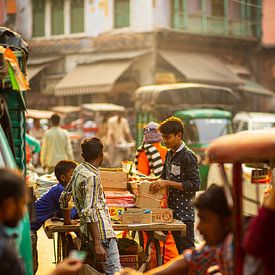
column 112, row 263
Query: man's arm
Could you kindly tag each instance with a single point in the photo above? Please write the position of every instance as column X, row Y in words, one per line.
column 89, row 211
column 191, row 180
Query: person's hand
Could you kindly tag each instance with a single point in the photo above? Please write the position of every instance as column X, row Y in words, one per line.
column 158, row 185
column 128, row 271
column 68, row 267
column 99, row 252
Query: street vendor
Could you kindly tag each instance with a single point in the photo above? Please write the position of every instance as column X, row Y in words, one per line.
column 149, row 160
column 181, row 176
column 150, row 156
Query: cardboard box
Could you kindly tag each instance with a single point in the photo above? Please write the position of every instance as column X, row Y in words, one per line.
column 162, row 215
column 146, row 199
column 129, row 261
column 113, row 180
column 136, row 216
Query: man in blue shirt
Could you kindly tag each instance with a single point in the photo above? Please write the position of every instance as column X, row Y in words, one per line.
column 48, row 205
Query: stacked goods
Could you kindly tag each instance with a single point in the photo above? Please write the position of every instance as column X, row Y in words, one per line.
column 146, row 199
column 114, row 180
column 44, row 183
column 151, row 208
column 142, row 216
column 120, row 198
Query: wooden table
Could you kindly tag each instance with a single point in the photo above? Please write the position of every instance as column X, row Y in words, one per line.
column 58, row 227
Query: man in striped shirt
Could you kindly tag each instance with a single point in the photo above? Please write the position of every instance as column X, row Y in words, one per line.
column 96, row 230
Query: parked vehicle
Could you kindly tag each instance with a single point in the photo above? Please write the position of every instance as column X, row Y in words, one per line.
column 200, row 107
column 253, row 194
column 253, row 121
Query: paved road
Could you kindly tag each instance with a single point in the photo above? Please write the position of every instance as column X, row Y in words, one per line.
column 45, row 254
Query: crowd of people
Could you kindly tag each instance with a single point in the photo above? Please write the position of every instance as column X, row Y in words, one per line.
column 174, row 166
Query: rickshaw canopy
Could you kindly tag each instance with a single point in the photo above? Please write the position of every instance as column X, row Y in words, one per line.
column 101, row 107
column 39, row 114
column 249, row 146
column 168, row 98
column 67, row 109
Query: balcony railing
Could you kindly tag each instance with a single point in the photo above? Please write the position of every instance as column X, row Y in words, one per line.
column 214, row 25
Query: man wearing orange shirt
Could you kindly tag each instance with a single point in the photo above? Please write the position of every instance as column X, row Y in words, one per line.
column 149, row 159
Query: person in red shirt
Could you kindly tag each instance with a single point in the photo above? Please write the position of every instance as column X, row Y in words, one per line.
column 149, row 160
column 259, row 240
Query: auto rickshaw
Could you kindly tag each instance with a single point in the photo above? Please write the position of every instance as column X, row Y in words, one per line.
column 256, row 148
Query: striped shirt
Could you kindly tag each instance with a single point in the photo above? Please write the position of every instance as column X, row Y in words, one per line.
column 90, row 202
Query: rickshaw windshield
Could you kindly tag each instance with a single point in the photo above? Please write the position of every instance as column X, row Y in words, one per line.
column 204, row 130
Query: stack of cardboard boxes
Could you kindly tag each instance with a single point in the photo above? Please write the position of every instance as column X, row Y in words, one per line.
column 151, row 208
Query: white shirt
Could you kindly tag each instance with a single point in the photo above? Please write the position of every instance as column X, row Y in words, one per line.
column 56, row 146
column 117, row 130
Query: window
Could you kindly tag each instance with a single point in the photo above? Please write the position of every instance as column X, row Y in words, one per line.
column 197, row 130
column 178, row 14
column 77, row 16
column 121, row 13
column 57, row 11
column 217, row 7
column 38, row 15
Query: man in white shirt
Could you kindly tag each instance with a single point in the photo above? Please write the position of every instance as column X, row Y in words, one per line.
column 118, row 134
column 56, row 145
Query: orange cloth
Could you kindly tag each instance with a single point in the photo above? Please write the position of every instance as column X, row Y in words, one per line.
column 171, row 250
column 143, row 163
column 11, row 7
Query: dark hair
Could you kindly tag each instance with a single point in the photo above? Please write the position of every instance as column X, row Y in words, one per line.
column 62, row 167
column 171, row 125
column 11, row 185
column 91, row 148
column 55, row 119
column 214, row 200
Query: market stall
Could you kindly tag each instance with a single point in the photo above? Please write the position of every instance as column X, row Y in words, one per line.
column 133, row 208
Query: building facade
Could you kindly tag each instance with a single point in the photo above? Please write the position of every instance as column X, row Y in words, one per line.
column 102, row 50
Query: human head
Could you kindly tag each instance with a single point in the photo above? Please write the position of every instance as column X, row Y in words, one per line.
column 55, row 119
column 12, row 198
column 92, row 150
column 171, row 131
column 215, row 215
column 63, row 171
column 151, row 133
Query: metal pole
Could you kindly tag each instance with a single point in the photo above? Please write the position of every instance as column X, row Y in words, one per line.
column 237, row 196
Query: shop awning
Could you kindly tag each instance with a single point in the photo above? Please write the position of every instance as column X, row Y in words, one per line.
column 34, row 70
column 92, row 78
column 42, row 60
column 251, row 86
column 202, row 68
